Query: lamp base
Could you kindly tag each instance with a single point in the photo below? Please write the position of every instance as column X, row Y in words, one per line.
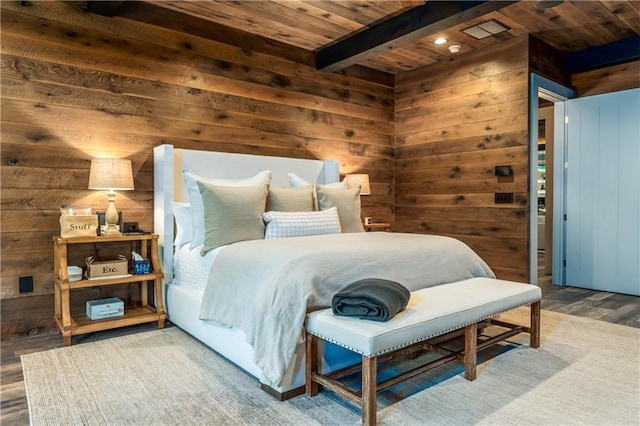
column 110, row 231
column 111, row 217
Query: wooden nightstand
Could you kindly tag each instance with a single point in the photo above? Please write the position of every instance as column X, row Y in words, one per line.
column 71, row 325
column 378, row 227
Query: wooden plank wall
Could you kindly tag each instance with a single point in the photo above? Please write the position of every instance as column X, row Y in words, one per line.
column 77, row 86
column 455, row 121
column 547, row 61
column 607, row 80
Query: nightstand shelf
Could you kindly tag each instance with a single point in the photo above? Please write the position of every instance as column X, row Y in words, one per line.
column 110, row 281
column 81, row 324
column 373, row 227
column 74, row 324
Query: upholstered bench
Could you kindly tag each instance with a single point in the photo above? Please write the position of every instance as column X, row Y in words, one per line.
column 444, row 310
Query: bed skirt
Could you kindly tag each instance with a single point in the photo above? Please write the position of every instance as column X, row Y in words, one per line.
column 183, row 308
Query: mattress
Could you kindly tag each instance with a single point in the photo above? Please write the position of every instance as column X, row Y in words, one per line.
column 191, row 269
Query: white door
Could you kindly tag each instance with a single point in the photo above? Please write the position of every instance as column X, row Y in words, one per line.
column 603, row 192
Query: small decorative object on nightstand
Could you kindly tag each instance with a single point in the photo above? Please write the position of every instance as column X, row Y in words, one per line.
column 371, row 227
column 71, row 325
column 141, row 266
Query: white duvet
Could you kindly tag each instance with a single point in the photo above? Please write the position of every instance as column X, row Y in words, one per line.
column 265, row 287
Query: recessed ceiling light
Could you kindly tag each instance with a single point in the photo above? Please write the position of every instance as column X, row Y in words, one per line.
column 454, row 48
column 440, row 40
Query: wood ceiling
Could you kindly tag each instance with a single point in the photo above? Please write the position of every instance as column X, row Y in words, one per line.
column 315, row 25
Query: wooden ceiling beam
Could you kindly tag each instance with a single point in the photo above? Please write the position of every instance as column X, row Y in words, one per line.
column 104, row 8
column 617, row 52
column 408, row 27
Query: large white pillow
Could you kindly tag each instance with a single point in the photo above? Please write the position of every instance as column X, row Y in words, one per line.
column 232, row 214
column 348, row 203
column 197, row 211
column 184, row 229
column 301, row 224
column 296, row 181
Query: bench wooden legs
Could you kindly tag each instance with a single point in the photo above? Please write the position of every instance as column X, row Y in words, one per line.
column 471, row 340
column 367, row 398
column 369, row 390
column 470, row 351
column 534, row 332
column 311, row 365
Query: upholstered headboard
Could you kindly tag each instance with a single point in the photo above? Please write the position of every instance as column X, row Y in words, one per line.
column 168, row 184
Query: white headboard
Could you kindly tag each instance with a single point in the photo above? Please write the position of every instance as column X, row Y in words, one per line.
column 168, row 185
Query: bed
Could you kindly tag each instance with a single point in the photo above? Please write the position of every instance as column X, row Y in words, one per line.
column 247, row 299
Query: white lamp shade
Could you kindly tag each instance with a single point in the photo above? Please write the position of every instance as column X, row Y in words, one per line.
column 111, row 174
column 361, row 180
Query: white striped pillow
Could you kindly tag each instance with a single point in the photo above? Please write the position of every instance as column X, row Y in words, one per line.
column 301, row 224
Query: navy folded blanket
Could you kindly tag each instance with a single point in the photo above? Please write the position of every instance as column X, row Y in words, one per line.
column 374, row 299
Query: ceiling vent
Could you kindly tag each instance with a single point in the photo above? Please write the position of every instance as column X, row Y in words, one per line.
column 486, row 29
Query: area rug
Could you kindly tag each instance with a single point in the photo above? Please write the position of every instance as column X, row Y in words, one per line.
column 585, row 373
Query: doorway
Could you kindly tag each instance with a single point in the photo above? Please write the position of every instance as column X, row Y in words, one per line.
column 547, row 136
column 544, row 178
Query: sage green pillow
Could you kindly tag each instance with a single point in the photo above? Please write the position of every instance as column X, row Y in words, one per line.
column 290, row 199
column 232, row 214
column 348, row 203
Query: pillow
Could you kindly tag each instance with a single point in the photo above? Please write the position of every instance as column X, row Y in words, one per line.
column 184, row 229
column 301, row 224
column 197, row 213
column 290, row 199
column 296, row 181
column 348, row 203
column 232, row 213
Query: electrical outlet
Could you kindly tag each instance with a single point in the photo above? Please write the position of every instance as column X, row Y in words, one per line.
column 25, row 284
column 131, row 227
column 504, row 197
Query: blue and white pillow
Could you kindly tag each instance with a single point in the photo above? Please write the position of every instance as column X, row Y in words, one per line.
column 301, row 224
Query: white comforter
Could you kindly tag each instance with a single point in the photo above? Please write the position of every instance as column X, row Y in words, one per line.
column 265, row 287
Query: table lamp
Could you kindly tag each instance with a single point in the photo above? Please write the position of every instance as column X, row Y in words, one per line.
column 111, row 174
column 361, row 180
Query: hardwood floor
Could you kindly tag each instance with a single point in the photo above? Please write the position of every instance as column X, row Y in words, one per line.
column 603, row 306
column 600, row 305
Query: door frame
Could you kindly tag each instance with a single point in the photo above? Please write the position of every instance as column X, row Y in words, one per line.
column 541, row 87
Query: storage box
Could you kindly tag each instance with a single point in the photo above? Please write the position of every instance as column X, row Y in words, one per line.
column 78, row 226
column 75, row 273
column 107, row 269
column 105, row 308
